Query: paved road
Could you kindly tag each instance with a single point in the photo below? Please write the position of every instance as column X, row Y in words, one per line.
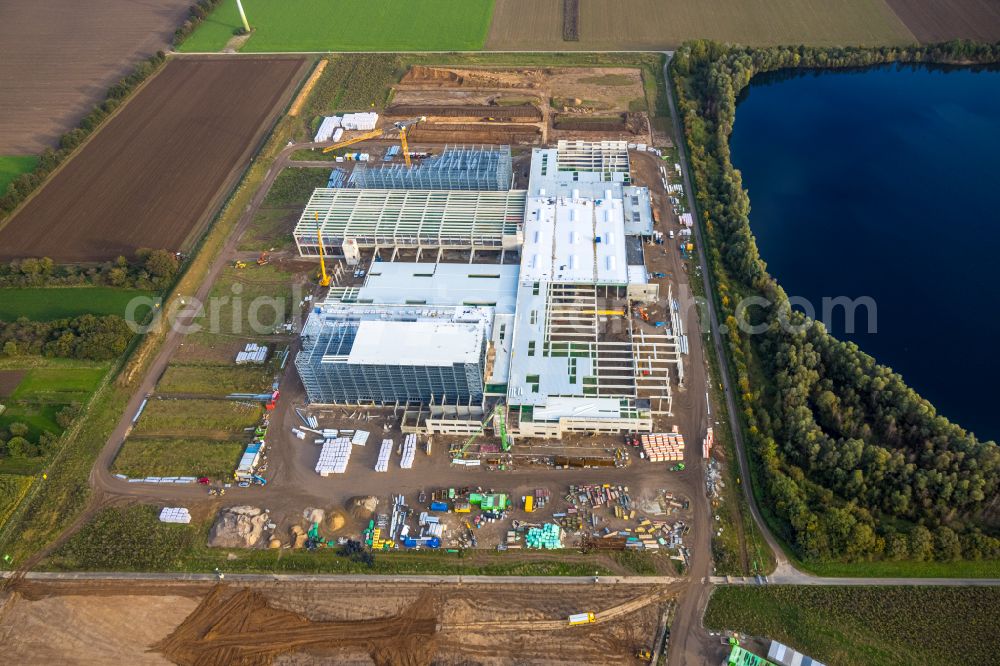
column 863, row 582
column 349, row 578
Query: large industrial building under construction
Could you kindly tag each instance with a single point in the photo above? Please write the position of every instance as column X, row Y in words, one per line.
column 549, row 341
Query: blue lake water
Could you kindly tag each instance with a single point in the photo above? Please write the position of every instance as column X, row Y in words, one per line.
column 884, row 182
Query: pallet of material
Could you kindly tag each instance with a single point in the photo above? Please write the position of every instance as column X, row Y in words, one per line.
column 175, row 515
column 334, row 456
column 252, row 353
column 663, row 447
column 384, row 453
column 409, row 450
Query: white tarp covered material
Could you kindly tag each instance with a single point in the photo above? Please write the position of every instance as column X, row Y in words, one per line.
column 175, row 515
column 359, row 121
column 326, row 128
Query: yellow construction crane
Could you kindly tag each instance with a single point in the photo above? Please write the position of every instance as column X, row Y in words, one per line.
column 374, row 134
column 403, row 126
column 324, row 280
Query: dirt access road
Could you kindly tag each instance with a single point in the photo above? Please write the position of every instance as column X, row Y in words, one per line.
column 59, row 57
column 156, row 172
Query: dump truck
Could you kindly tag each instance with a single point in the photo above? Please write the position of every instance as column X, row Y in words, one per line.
column 581, row 618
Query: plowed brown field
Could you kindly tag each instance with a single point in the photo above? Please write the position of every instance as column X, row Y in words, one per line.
column 154, row 175
column 942, row 20
column 59, row 57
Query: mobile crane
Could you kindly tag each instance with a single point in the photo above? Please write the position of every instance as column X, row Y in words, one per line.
column 324, row 279
column 374, row 134
column 403, row 126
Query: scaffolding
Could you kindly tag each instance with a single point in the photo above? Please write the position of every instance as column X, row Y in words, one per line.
column 609, row 158
column 390, row 355
column 410, row 219
column 485, row 168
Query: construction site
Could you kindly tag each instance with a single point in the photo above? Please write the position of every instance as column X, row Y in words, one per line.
column 482, row 348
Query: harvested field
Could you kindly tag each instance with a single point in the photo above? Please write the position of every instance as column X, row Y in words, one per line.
column 58, row 58
column 153, row 176
column 571, row 20
column 658, row 24
column 945, row 20
column 516, row 113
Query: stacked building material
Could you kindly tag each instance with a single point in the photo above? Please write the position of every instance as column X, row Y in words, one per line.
column 706, row 445
column 384, row 453
column 360, row 437
column 663, row 446
column 359, row 121
column 409, row 449
column 327, row 128
column 252, row 353
column 174, row 515
column 334, row 456
column 548, row 536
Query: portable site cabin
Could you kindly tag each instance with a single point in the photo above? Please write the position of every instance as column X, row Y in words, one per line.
column 248, row 463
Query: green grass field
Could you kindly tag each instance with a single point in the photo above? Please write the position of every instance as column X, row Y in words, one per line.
column 319, row 25
column 193, row 416
column 216, row 380
column 12, row 166
column 47, row 387
column 875, row 626
column 139, row 458
column 57, row 384
column 13, row 488
column 48, row 303
column 295, row 185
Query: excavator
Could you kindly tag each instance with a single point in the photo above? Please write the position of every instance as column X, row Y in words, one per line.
column 497, row 417
column 402, row 126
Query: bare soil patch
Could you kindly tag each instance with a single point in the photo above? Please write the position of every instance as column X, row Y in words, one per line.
column 944, row 20
column 154, row 174
column 92, row 629
column 9, row 380
column 520, row 104
column 59, row 57
column 329, row 622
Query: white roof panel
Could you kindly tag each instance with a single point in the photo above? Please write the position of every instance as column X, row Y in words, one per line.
column 422, row 343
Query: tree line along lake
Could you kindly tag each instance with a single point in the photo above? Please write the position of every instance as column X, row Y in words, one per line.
column 882, row 183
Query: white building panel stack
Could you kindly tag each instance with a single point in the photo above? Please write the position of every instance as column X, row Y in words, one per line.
column 409, row 449
column 175, row 515
column 384, row 453
column 334, row 456
column 359, row 121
